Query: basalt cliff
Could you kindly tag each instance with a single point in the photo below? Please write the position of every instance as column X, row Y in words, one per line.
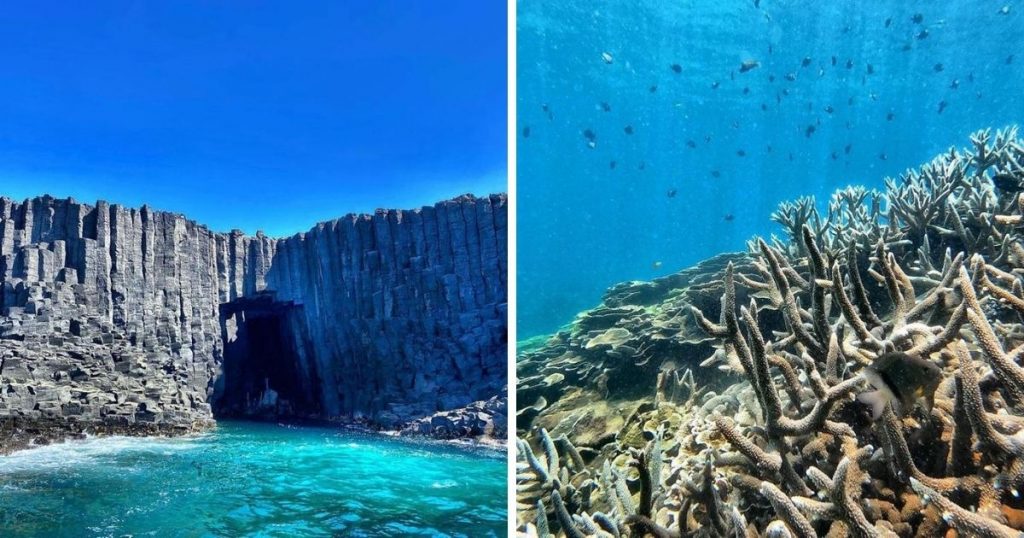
column 127, row 320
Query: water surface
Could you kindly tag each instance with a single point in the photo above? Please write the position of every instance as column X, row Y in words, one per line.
column 253, row 479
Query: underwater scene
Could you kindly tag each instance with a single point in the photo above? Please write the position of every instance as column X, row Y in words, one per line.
column 770, row 270
column 253, row 479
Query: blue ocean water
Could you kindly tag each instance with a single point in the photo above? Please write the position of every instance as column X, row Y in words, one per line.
column 659, row 86
column 253, row 479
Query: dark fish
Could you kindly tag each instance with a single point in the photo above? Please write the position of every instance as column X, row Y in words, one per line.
column 691, row 144
column 671, row 193
column 769, row 148
column 735, row 124
column 729, row 217
column 746, row 90
column 612, row 165
column 641, row 166
column 606, row 107
column 834, row 60
column 805, row 62
column 888, row 22
column 741, row 153
column 810, row 130
column 890, row 116
column 917, row 18
column 628, row 129
column 942, row 106
column 883, row 157
column 771, row 78
column 547, row 110
column 848, row 148
column 653, row 88
column 900, row 380
column 970, row 76
column 1009, row 59
column 715, row 84
column 835, row 156
column 764, row 107
column 871, row 69
column 906, row 47
column 850, row 101
column 1006, row 182
column 771, row 49
column 707, row 138
column 791, row 156
column 829, row 109
column 716, row 174
column 591, row 138
column 757, row 3
column 676, row 68
column 526, row 132
column 923, row 34
column 791, row 76
column 849, row 64
column 938, row 68
column 747, row 65
column 955, row 84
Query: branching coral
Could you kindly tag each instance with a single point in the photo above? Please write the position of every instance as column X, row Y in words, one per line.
column 932, row 268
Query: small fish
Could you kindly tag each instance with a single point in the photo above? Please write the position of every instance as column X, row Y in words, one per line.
column 917, row 18
column 1005, row 10
column 1006, row 182
column 906, row 47
column 848, row 148
column 888, row 22
column 715, row 85
column 871, row 69
column 746, row 90
column 547, row 110
column 591, row 138
column 607, row 57
column 653, row 88
column 835, row 155
column 605, row 107
column 850, row 101
column 641, row 166
column 791, row 76
column 691, row 144
column 628, row 129
column 526, row 132
column 771, row 78
column 900, row 380
column 729, row 217
column 656, row 265
column 883, row 157
column 821, row 72
column 747, row 65
column 612, row 165
column 942, row 106
column 757, row 4
column 1009, row 59
column 955, row 84
column 970, row 77
column 676, row 68
column 834, row 60
column 707, row 138
column 805, row 62
column 810, row 130
column 741, row 153
column 923, row 34
column 769, row 148
column 764, row 107
column 716, row 174
column 938, row 68
column 671, row 193
column 829, row 109
column 849, row 64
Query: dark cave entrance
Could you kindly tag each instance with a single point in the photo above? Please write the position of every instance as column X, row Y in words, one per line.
column 266, row 371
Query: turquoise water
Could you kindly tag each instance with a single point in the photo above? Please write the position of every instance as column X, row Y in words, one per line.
column 253, row 479
column 730, row 144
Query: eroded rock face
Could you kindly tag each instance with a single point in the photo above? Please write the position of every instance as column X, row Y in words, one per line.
column 114, row 315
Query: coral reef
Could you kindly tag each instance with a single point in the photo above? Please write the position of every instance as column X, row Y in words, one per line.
column 721, row 401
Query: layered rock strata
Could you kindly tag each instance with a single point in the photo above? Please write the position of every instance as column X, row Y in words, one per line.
column 122, row 318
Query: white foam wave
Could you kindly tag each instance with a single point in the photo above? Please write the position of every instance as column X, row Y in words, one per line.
column 76, row 453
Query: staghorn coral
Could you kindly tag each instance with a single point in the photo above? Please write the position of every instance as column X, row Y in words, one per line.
column 647, row 444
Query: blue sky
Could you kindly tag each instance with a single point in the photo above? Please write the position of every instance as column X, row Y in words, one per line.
column 270, row 116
